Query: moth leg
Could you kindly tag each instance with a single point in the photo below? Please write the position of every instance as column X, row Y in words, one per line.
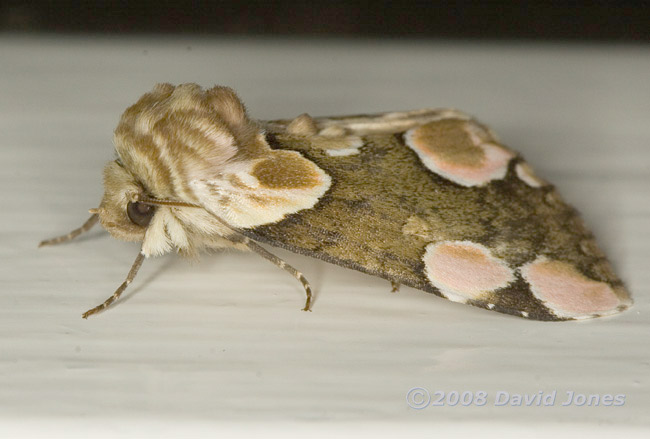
column 76, row 232
column 129, row 278
column 280, row 263
column 395, row 286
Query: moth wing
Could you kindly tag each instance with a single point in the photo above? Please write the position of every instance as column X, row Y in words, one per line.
column 262, row 190
column 432, row 200
column 238, row 176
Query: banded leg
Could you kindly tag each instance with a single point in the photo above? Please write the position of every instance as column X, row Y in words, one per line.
column 76, row 232
column 395, row 286
column 280, row 263
column 116, row 295
column 239, row 237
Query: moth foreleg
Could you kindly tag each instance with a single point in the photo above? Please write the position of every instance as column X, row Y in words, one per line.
column 395, row 286
column 76, row 232
column 280, row 263
column 116, row 295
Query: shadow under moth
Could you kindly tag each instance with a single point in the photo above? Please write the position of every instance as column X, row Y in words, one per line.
column 426, row 198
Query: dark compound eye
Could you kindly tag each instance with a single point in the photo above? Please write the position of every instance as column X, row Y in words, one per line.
column 140, row 213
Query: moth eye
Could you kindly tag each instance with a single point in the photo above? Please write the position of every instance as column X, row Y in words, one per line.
column 140, row 213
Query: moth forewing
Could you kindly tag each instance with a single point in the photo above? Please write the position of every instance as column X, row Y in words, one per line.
column 427, row 198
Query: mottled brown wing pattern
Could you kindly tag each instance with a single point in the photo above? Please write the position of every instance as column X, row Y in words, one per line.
column 431, row 200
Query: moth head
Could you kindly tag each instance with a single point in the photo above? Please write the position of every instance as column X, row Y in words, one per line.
column 121, row 212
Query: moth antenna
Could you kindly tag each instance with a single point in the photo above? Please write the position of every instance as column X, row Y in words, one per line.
column 90, row 222
column 171, row 203
column 252, row 245
column 116, row 295
column 282, row 264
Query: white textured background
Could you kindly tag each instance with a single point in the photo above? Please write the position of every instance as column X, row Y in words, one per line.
column 221, row 344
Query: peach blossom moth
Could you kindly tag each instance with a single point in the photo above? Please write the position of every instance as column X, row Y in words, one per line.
column 428, row 198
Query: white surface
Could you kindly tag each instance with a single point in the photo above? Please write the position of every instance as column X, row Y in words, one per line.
column 222, row 342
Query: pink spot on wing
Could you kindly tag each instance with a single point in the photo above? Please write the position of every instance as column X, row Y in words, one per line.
column 493, row 167
column 464, row 270
column 447, row 154
column 567, row 292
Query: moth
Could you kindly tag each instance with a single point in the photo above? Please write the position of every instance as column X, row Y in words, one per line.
column 427, row 198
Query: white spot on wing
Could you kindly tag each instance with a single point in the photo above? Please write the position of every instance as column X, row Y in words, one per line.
column 342, row 152
column 526, row 174
column 247, row 179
